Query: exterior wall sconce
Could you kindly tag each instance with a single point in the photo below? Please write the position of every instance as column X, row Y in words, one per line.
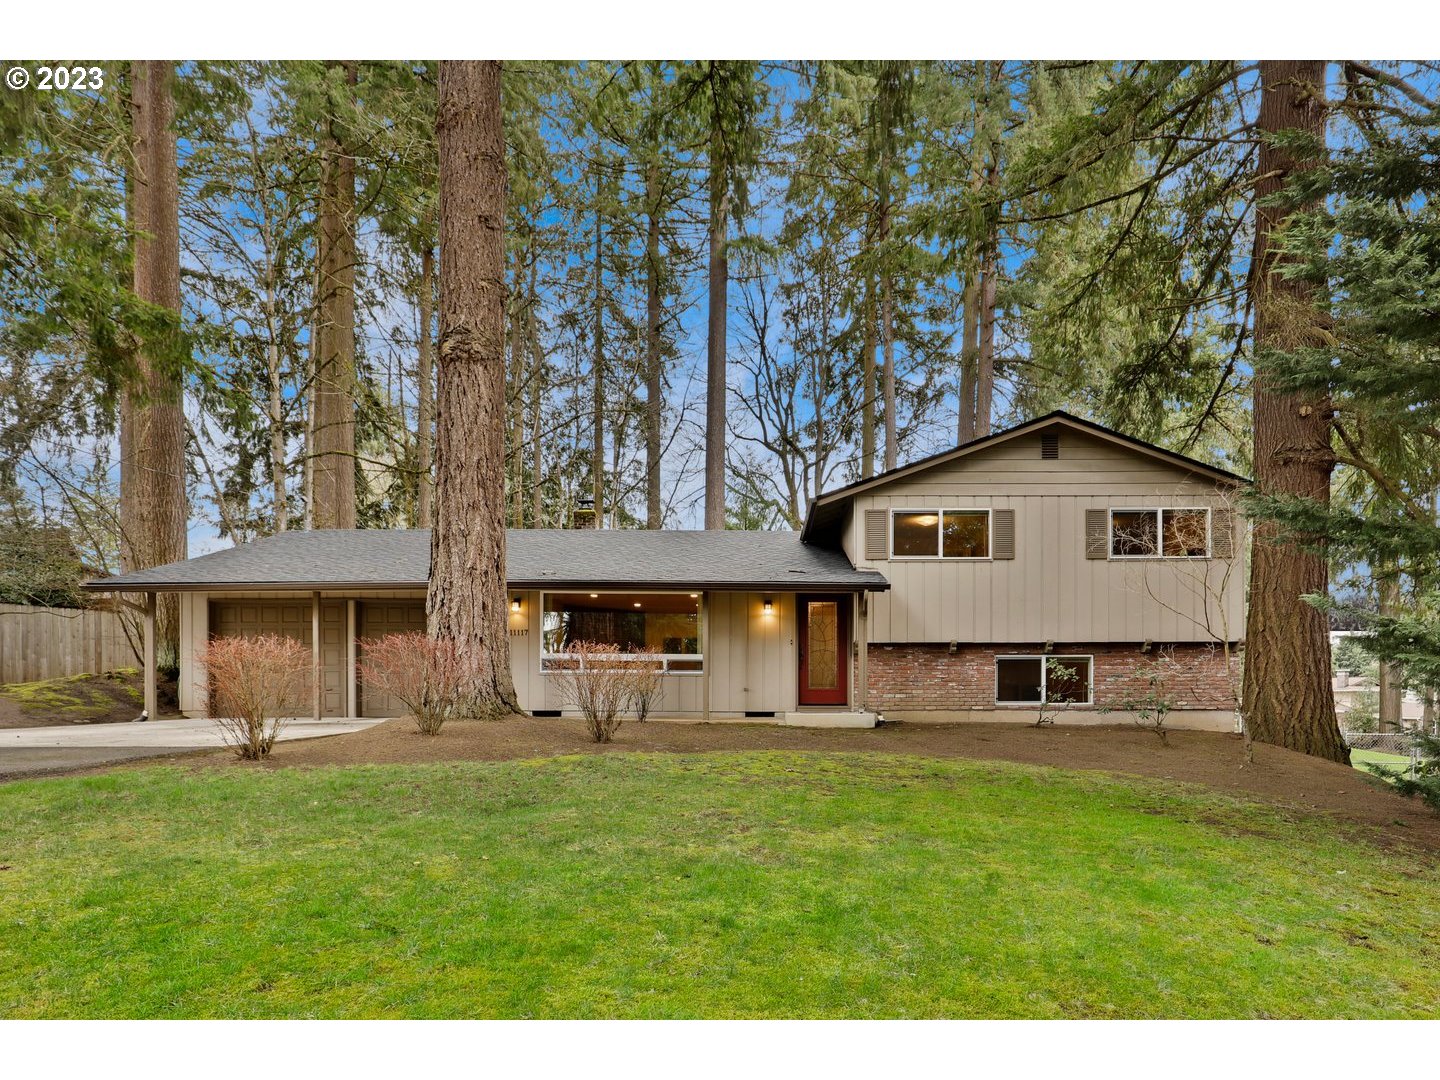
column 515, row 605
column 769, row 606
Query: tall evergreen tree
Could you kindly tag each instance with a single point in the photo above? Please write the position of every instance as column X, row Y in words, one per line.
column 467, row 602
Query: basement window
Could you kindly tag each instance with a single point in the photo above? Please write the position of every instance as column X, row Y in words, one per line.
column 1033, row 680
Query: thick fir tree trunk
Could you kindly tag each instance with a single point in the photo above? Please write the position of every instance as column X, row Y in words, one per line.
column 654, row 513
column 426, row 394
column 333, row 450
column 467, row 596
column 153, row 509
column 1288, row 700
column 719, row 283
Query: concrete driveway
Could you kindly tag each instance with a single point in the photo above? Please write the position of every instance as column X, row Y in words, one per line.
column 30, row 751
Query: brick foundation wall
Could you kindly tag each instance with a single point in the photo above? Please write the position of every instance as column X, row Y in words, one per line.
column 913, row 677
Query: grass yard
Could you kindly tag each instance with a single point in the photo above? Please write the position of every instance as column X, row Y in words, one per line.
column 754, row 884
column 1367, row 759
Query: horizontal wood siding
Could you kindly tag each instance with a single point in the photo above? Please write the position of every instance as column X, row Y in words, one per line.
column 1050, row 591
column 49, row 643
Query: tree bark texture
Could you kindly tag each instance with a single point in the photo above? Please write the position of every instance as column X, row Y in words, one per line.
column 654, row 388
column 597, row 364
column 1287, row 698
column 715, row 382
column 153, row 510
column 426, row 394
column 467, row 600
column 333, row 449
column 867, row 379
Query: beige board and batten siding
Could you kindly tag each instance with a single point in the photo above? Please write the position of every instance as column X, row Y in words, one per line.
column 1049, row 591
column 751, row 658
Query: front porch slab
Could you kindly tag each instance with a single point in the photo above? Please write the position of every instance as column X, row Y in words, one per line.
column 821, row 719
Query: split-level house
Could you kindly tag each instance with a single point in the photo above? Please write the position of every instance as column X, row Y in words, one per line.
column 1055, row 570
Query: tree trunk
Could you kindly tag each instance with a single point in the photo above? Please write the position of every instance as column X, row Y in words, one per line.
column 1287, row 695
column 985, row 367
column 280, row 499
column 989, row 271
column 1392, row 692
column 333, row 451
column 154, row 511
column 715, row 382
column 467, row 596
column 537, row 403
column 425, row 511
column 654, row 514
column 969, row 351
column 887, row 317
column 867, row 380
column 597, row 403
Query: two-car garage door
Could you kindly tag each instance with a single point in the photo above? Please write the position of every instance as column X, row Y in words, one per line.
column 374, row 618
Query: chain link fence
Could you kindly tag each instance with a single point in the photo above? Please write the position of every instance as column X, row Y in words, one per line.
column 1390, row 744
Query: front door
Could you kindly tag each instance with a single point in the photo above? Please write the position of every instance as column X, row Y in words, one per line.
column 824, row 649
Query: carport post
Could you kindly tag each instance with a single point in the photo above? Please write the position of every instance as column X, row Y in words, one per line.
column 705, row 655
column 152, row 695
column 316, row 675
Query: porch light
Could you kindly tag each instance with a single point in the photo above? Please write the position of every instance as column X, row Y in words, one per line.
column 637, row 603
column 515, row 605
column 594, row 595
column 769, row 606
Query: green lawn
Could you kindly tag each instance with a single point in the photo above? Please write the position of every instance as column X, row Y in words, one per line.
column 1367, row 759
column 766, row 884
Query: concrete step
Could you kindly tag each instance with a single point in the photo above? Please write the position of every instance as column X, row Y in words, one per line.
column 828, row 719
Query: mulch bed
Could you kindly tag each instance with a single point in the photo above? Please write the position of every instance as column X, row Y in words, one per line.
column 1205, row 758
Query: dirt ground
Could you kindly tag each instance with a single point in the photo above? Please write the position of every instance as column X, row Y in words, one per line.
column 114, row 697
column 1213, row 760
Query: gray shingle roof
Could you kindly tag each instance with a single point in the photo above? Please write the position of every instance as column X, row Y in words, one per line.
column 537, row 558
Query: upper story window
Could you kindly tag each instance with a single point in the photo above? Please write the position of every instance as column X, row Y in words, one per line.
column 1163, row 533
column 940, row 534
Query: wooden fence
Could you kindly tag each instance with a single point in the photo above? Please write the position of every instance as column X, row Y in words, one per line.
column 46, row 643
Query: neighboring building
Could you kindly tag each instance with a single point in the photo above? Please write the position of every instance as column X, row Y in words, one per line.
column 1053, row 561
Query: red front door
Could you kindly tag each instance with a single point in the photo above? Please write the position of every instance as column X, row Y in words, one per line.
column 824, row 649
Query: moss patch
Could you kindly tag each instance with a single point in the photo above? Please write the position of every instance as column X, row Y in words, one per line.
column 76, row 699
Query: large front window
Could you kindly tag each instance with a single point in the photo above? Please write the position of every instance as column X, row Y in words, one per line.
column 660, row 626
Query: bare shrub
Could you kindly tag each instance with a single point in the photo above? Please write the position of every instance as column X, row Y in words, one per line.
column 426, row 675
column 255, row 684
column 646, row 680
column 1153, row 705
column 597, row 683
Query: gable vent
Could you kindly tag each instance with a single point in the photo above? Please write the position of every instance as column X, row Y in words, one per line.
column 1050, row 445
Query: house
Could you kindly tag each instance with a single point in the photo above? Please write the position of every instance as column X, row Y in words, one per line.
column 1056, row 564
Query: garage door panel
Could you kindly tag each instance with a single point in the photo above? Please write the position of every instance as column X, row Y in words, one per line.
column 291, row 618
column 375, row 619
